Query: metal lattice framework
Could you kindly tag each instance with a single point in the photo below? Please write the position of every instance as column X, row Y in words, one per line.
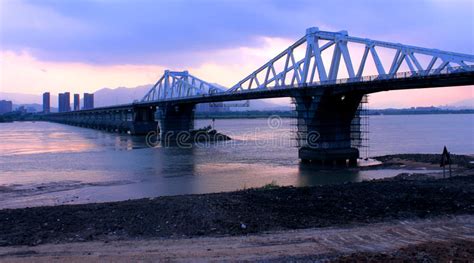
column 179, row 84
column 311, row 67
column 322, row 57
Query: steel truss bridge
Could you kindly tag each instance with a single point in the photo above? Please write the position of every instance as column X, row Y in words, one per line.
column 326, row 73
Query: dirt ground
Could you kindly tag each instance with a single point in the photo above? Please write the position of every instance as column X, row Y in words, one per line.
column 439, row 239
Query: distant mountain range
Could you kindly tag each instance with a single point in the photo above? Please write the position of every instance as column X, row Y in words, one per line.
column 120, row 95
column 21, row 98
column 123, row 95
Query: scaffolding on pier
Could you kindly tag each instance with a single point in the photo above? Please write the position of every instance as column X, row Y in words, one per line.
column 360, row 128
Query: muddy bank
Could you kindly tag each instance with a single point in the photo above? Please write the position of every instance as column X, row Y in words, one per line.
column 241, row 212
column 433, row 160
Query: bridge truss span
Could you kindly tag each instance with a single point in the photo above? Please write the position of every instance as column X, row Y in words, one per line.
column 179, row 84
column 322, row 57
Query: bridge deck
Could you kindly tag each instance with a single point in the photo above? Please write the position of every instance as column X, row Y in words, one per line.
column 340, row 86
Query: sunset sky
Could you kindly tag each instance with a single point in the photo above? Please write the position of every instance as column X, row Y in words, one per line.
column 85, row 45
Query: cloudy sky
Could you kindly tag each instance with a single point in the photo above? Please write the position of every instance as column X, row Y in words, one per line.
column 85, row 45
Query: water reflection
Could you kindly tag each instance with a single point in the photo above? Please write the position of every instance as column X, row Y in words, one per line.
column 165, row 171
column 127, row 142
column 309, row 174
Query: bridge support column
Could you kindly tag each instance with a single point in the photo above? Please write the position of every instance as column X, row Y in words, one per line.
column 324, row 128
column 174, row 120
column 143, row 120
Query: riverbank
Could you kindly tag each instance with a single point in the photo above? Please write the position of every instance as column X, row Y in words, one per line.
column 425, row 160
column 239, row 213
column 249, row 213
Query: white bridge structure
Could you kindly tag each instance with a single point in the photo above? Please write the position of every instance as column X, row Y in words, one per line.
column 325, row 73
column 302, row 64
column 179, row 84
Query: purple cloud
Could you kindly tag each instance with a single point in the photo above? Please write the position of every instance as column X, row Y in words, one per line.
column 169, row 32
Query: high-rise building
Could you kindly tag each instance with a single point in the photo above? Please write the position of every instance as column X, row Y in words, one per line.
column 64, row 103
column 46, row 103
column 88, row 101
column 76, row 102
column 67, row 101
column 6, row 106
column 61, row 102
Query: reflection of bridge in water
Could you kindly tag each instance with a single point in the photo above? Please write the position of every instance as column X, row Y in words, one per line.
column 317, row 72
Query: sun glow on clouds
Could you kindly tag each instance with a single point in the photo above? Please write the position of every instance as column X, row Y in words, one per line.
column 228, row 66
column 23, row 73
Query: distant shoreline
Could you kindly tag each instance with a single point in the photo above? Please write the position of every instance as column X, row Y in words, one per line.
column 13, row 116
column 292, row 114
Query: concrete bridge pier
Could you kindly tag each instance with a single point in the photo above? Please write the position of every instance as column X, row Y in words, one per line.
column 324, row 127
column 143, row 120
column 175, row 121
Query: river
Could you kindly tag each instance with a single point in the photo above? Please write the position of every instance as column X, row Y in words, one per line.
column 45, row 163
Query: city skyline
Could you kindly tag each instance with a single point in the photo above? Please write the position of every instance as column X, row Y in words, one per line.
column 87, row 51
